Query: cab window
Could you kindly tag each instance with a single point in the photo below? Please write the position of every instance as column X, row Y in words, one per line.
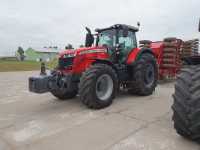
column 107, row 38
column 128, row 42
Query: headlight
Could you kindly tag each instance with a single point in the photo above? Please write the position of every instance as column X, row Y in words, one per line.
column 93, row 51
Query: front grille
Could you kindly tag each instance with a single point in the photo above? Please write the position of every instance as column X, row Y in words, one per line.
column 65, row 62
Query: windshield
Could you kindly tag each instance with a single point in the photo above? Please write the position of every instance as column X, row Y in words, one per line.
column 107, row 38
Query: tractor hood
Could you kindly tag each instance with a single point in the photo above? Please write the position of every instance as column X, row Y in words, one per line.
column 82, row 51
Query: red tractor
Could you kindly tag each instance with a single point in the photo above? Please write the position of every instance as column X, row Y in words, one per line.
column 109, row 61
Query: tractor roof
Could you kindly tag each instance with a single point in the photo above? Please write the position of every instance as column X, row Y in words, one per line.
column 119, row 26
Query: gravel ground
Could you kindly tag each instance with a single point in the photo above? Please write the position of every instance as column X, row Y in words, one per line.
column 40, row 122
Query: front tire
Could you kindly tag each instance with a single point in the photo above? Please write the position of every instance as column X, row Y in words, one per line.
column 186, row 106
column 62, row 94
column 98, row 86
column 145, row 76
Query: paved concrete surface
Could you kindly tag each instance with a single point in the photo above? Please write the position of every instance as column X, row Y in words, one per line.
column 39, row 122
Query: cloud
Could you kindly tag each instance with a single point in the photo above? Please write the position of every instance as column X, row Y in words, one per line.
column 37, row 23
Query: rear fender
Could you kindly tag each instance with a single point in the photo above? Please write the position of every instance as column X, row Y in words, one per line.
column 137, row 53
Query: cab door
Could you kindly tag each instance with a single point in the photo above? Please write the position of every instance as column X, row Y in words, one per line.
column 127, row 44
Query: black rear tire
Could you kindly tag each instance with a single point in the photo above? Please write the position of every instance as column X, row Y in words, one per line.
column 139, row 85
column 88, row 88
column 186, row 106
column 64, row 95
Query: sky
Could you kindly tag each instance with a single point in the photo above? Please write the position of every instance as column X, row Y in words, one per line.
column 39, row 23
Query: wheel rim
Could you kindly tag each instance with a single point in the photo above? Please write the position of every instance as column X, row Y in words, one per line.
column 104, row 87
column 149, row 75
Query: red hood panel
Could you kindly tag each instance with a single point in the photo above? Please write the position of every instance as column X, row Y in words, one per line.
column 72, row 51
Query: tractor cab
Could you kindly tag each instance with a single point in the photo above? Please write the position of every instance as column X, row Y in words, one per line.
column 119, row 40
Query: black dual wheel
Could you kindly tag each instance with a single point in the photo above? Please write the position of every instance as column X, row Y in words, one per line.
column 145, row 76
column 98, row 86
column 186, row 106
